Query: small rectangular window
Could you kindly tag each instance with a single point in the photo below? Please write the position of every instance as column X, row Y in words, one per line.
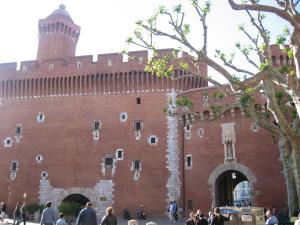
column 138, row 100
column 108, row 161
column 137, row 125
column 189, row 161
column 137, row 164
column 153, row 140
column 120, row 154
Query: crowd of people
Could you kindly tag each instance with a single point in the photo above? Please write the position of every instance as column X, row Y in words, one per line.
column 198, row 218
column 272, row 217
column 87, row 216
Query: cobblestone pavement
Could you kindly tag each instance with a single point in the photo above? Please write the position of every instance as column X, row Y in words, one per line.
column 158, row 221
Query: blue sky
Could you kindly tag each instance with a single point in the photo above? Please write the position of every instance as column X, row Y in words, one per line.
column 105, row 25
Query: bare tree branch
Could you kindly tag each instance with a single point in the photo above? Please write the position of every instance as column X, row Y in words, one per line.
column 265, row 8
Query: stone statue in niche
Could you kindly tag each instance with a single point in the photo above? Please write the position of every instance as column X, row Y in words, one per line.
column 229, row 150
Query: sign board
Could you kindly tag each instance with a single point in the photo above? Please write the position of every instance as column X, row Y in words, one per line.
column 102, row 199
column 246, row 218
column 246, row 211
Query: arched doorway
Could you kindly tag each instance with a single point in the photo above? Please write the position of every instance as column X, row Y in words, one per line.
column 225, row 185
column 79, row 199
column 220, row 174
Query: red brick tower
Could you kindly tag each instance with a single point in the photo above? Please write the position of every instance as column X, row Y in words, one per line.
column 58, row 36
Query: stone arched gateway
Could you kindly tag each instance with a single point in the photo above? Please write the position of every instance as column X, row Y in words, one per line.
column 230, row 167
column 101, row 195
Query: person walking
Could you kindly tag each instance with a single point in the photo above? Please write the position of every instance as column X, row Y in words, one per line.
column 109, row 218
column 2, row 213
column 218, row 218
column 174, row 211
column 23, row 213
column 87, row 216
column 61, row 220
column 48, row 215
column 170, row 209
column 17, row 214
column 141, row 214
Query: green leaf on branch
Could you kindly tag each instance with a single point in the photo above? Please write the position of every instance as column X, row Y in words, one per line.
column 245, row 100
column 184, row 101
column 186, row 29
column 184, row 65
column 235, row 79
column 160, row 66
column 264, row 66
column 294, row 114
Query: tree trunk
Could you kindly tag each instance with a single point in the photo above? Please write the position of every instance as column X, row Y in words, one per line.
column 296, row 165
column 287, row 163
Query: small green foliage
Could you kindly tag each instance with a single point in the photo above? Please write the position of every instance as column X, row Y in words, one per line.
column 245, row 100
column 178, row 8
column 160, row 66
column 235, row 79
column 33, row 207
column 186, row 29
column 249, row 90
column 183, row 65
column 207, row 7
column 264, row 66
column 284, row 69
column 139, row 22
column 68, row 208
column 290, row 53
column 280, row 39
column 278, row 95
column 294, row 114
column 241, row 26
column 218, row 95
column 184, row 101
column 162, row 9
column 129, row 40
column 138, row 33
column 292, row 73
column 216, row 108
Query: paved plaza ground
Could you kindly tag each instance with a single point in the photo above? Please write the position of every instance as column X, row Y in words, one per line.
column 158, row 221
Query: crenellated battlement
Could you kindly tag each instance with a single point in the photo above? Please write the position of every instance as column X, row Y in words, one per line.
column 80, row 75
column 107, row 62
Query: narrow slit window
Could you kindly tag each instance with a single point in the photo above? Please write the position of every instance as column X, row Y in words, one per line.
column 14, row 166
column 138, row 100
column 137, row 164
column 96, row 125
column 18, row 130
column 188, row 161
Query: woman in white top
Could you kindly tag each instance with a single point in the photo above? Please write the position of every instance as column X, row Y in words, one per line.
column 297, row 222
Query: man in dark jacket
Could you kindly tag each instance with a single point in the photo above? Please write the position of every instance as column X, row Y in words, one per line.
column 218, row 218
column 109, row 218
column 87, row 216
column 202, row 220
